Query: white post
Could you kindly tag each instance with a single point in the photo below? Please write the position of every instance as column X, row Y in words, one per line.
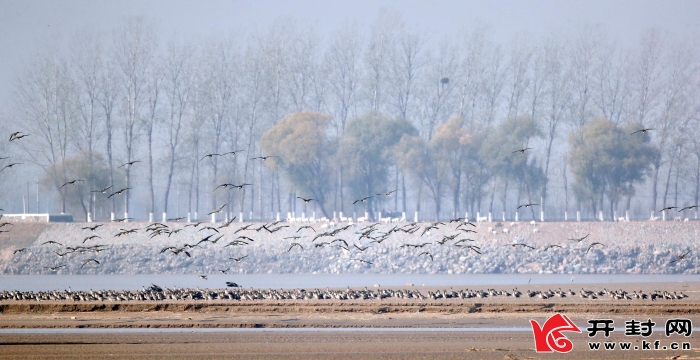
column 89, row 218
column 189, row 217
column 415, row 217
column 379, row 217
column 240, row 219
column 366, row 216
column 600, row 214
column 226, row 216
column 614, row 215
column 278, row 216
column 542, row 215
column 504, row 217
column 303, row 215
column 251, row 216
column 196, row 215
column 165, row 217
column 403, row 216
column 517, row 215
column 627, row 215
column 489, row 216
column 478, row 215
column 126, row 217
column 566, row 216
column 340, row 214
column 663, row 215
column 213, row 218
column 466, row 216
column 313, row 214
column 652, row 215
column 150, row 217
column 111, row 216
column 333, row 215
column 578, row 216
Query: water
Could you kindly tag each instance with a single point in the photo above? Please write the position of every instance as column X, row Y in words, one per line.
column 310, row 281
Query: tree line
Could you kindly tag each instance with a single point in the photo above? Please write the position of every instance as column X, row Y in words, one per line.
column 360, row 112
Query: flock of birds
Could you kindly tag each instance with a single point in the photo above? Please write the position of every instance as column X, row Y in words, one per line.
column 156, row 293
column 349, row 238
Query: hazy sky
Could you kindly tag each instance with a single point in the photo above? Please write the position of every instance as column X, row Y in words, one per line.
column 28, row 26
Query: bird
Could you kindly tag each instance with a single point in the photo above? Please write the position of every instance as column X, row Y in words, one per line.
column 293, row 245
column 306, row 227
column 91, row 237
column 177, row 219
column 19, row 251
column 129, row 163
column 209, row 156
column 526, row 206
column 360, row 248
column 17, row 136
column 522, row 151
column 118, row 192
column 90, row 260
column 52, row 242
column 364, row 261
column 240, row 187
column 680, row 257
column 123, row 219
column 643, row 131
column 217, row 210
column 12, row 136
column 10, row 165
column 6, row 223
column 54, row 268
column 238, row 259
column 232, row 152
column 668, row 208
column 688, row 208
column 580, row 239
column 552, row 246
column 71, row 182
column 224, row 271
column 427, row 253
column 226, row 185
column 592, row 245
column 521, row 244
column 306, row 201
column 103, row 190
column 231, row 284
column 264, row 158
column 389, row 193
column 203, row 277
column 364, row 199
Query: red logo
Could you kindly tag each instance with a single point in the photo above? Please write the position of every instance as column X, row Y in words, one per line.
column 549, row 338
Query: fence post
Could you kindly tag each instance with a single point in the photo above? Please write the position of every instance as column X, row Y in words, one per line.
column 415, row 217
column 165, row 217
column 240, row 219
column 663, row 215
column 600, row 214
column 213, row 218
column 614, row 215
column 542, row 215
column 189, row 217
column 89, row 218
column 111, row 216
column 379, row 216
column 489, row 216
column 566, row 215
column 578, row 216
column 504, row 217
column 196, row 215
column 126, row 217
column 627, row 215
column 517, row 216
column 466, row 216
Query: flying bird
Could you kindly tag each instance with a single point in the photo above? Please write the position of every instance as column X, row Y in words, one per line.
column 52, row 242
column 580, row 239
column 224, row 271
column 129, row 163
column 232, row 152
column 90, row 260
column 10, row 165
column 306, row 201
column 264, row 158
column 389, row 193
column 203, row 277
column 103, row 190
column 364, row 199
column 92, row 228
column 293, row 245
column 643, row 131
column 55, row 268
column 552, row 247
column 592, row 245
column 118, row 192
column 526, row 206
column 680, row 257
column 427, row 253
column 668, row 208
column 521, row 244
column 364, row 261
column 209, row 156
column 217, row 210
column 71, row 182
column 522, row 151
column 19, row 251
column 17, row 136
column 238, row 259
column 688, row 208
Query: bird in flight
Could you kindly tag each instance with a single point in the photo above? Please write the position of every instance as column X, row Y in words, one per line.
column 389, row 193
column 209, row 156
column 18, row 251
column 238, row 259
column 217, row 210
column 364, row 261
column 10, row 165
column 129, row 163
column 552, row 246
column 203, row 277
column 232, row 152
column 293, row 245
column 91, row 237
column 17, row 135
column 592, row 245
column 580, row 239
column 52, row 242
column 668, row 208
column 55, row 268
column 90, row 260
column 643, row 131
column 521, row 244
column 224, row 271
column 71, row 182
column 306, row 227
column 177, row 219
column 522, row 151
column 364, row 199
column 526, row 206
column 118, row 192
column 688, row 208
column 427, row 253
column 92, row 228
column 103, row 190
column 264, row 158
column 306, row 201
column 680, row 257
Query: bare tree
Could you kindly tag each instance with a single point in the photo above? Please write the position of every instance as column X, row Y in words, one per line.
column 154, row 87
column 134, row 46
